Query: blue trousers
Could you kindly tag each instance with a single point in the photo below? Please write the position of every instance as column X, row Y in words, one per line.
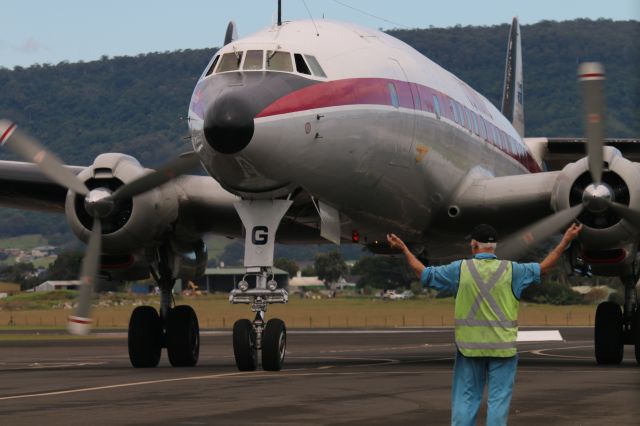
column 469, row 377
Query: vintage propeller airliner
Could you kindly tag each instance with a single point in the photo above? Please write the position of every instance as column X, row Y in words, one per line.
column 329, row 131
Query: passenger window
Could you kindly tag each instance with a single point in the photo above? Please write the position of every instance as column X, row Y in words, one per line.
column 460, row 113
column 468, row 118
column 315, row 66
column 454, row 112
column 394, row 95
column 213, row 66
column 279, row 61
column 253, row 61
column 475, row 123
column 416, row 98
column 436, row 106
column 301, row 66
column 230, row 62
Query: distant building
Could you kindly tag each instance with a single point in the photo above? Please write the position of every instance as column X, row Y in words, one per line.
column 9, row 289
column 298, row 283
column 226, row 279
column 47, row 250
column 58, row 285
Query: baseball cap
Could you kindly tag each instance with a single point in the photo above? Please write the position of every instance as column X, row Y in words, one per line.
column 483, row 233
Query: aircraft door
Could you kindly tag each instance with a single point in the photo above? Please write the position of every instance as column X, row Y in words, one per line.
column 403, row 118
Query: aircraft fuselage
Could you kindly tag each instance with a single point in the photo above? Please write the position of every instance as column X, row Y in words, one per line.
column 385, row 136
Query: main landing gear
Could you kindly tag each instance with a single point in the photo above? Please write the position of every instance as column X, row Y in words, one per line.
column 615, row 327
column 260, row 219
column 174, row 327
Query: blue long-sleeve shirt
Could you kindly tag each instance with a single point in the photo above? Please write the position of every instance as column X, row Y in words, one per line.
column 447, row 277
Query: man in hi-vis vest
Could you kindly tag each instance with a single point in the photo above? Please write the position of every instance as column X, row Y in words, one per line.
column 487, row 292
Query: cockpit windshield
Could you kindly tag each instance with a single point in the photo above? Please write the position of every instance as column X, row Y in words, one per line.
column 230, row 62
column 253, row 60
column 270, row 60
column 279, row 61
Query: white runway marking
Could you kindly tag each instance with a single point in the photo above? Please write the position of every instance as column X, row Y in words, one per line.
column 541, row 352
column 132, row 384
column 539, row 336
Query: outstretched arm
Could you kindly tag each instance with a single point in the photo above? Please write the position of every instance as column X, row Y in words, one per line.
column 398, row 244
column 554, row 255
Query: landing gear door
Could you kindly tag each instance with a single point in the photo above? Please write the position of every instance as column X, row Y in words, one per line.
column 260, row 219
column 403, row 118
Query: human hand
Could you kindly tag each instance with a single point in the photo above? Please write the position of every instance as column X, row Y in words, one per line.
column 571, row 233
column 396, row 243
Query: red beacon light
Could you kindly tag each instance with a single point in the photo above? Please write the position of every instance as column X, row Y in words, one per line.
column 355, row 236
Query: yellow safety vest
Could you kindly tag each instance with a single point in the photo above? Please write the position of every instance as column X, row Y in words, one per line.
column 486, row 311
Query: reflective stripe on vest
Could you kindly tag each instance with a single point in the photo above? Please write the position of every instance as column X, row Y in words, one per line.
column 486, row 309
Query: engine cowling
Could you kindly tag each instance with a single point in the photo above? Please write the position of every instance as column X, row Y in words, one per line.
column 134, row 223
column 602, row 228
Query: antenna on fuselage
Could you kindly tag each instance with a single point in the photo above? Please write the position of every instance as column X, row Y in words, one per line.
column 279, row 13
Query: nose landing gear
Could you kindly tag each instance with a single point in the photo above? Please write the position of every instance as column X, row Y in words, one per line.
column 260, row 219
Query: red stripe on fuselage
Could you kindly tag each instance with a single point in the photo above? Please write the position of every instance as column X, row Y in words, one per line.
column 6, row 133
column 353, row 91
column 376, row 91
column 592, row 75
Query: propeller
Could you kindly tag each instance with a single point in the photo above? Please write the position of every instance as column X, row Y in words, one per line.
column 98, row 202
column 597, row 197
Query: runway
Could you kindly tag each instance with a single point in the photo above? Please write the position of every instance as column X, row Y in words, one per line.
column 336, row 377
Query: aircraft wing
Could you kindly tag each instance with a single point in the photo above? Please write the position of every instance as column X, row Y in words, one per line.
column 22, row 185
column 558, row 152
column 508, row 202
column 204, row 206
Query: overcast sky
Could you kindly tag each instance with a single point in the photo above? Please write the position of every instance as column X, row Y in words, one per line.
column 43, row 31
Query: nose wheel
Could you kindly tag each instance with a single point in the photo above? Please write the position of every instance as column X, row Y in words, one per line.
column 274, row 345
column 245, row 347
column 249, row 338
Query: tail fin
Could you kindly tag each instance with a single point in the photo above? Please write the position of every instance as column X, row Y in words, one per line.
column 231, row 34
column 512, row 96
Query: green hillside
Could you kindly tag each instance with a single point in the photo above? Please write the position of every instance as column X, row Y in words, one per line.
column 137, row 105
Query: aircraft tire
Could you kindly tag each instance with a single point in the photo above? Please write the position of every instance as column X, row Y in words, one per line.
column 145, row 337
column 244, row 345
column 274, row 345
column 183, row 336
column 608, row 334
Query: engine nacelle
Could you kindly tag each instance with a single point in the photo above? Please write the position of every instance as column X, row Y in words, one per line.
column 187, row 260
column 602, row 228
column 134, row 223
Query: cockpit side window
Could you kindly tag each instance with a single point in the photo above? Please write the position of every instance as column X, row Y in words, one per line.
column 230, row 62
column 253, row 60
column 301, row 65
column 315, row 66
column 279, row 61
column 213, row 65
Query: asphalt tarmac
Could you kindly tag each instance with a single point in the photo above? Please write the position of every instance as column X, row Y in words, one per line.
column 331, row 377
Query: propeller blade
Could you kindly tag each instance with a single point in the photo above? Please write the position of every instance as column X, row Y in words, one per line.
column 31, row 150
column 625, row 212
column 80, row 322
column 162, row 175
column 591, row 77
column 517, row 244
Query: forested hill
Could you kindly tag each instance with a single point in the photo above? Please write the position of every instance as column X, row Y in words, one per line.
column 137, row 105
column 551, row 54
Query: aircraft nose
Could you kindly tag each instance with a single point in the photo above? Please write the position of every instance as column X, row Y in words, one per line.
column 228, row 124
